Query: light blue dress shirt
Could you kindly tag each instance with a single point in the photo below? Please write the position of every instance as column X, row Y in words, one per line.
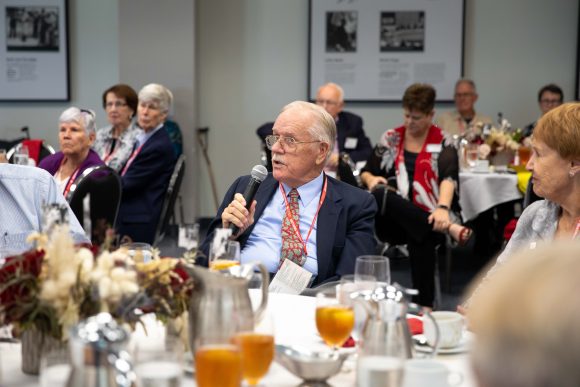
column 265, row 242
column 23, row 191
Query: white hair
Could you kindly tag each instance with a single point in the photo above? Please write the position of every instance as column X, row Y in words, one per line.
column 84, row 117
column 323, row 127
column 337, row 87
column 155, row 92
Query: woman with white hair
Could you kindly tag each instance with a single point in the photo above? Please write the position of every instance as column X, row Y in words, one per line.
column 76, row 135
column 146, row 174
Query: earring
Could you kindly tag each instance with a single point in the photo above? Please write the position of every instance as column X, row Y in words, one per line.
column 572, row 173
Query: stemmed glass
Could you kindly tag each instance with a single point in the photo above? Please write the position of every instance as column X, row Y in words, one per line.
column 373, row 267
column 334, row 318
column 223, row 257
column 257, row 349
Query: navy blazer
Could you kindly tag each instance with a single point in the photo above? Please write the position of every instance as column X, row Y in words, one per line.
column 345, row 224
column 351, row 125
column 144, row 187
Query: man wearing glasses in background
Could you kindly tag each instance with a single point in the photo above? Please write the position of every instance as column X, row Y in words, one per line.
column 458, row 121
column 549, row 97
column 350, row 135
column 299, row 213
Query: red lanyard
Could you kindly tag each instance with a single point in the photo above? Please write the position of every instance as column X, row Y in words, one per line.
column 70, row 180
column 294, row 225
column 133, row 155
column 111, row 152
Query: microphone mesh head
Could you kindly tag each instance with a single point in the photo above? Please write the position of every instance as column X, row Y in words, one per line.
column 259, row 172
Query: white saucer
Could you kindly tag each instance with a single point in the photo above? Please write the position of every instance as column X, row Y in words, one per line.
column 188, row 363
column 463, row 346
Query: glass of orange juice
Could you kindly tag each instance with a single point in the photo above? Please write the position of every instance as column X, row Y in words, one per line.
column 334, row 319
column 223, row 256
column 257, row 349
column 218, row 365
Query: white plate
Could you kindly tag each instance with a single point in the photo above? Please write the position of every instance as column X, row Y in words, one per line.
column 463, row 346
column 188, row 363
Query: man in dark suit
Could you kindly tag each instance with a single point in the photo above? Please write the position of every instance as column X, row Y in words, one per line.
column 147, row 172
column 328, row 222
column 351, row 137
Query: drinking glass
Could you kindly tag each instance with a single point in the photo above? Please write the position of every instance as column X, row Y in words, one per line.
column 3, row 158
column 139, row 252
column 223, row 256
column 159, row 363
column 471, row 154
column 55, row 368
column 334, row 319
column 21, row 156
column 348, row 285
column 217, row 363
column 257, row 350
column 372, row 267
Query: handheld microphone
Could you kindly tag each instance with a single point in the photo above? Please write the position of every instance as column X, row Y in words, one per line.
column 259, row 173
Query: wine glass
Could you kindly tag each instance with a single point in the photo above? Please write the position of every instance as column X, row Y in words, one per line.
column 374, row 268
column 224, row 256
column 257, row 349
column 334, row 319
column 218, row 362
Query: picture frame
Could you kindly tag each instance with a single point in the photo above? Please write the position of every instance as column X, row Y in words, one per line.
column 375, row 49
column 34, row 53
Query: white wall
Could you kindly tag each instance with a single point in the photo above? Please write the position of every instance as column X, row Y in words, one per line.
column 93, row 51
column 252, row 59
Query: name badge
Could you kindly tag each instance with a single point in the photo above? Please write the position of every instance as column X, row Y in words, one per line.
column 350, row 143
column 433, row 148
column 290, row 279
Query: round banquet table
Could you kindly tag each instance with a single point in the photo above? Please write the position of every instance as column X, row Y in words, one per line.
column 294, row 324
column 479, row 192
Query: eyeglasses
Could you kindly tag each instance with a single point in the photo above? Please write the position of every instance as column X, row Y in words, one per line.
column 286, row 142
column 550, row 101
column 117, row 104
column 329, row 102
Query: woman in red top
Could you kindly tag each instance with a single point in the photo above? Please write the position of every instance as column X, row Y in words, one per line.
column 420, row 173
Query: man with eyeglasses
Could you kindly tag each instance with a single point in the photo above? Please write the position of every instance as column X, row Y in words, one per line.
column 299, row 213
column 464, row 116
column 549, row 97
column 350, row 135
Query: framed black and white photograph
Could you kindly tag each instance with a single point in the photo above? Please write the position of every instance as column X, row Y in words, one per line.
column 34, row 51
column 375, row 49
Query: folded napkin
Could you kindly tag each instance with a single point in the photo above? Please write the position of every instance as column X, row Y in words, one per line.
column 415, row 325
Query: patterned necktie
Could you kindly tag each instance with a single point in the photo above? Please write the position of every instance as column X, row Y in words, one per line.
column 292, row 247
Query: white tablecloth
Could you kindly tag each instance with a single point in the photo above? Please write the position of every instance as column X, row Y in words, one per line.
column 479, row 192
column 288, row 313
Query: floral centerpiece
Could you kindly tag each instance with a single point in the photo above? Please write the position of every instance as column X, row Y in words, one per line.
column 497, row 144
column 51, row 288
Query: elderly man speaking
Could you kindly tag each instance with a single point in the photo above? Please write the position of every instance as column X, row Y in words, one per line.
column 299, row 213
